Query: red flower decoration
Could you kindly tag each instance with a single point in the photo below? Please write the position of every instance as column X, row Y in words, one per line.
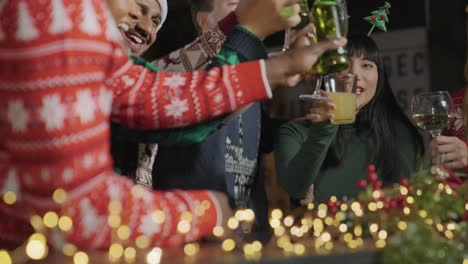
column 362, row 184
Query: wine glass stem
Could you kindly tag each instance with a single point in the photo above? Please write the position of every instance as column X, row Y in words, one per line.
column 318, row 83
column 287, row 35
column 438, row 159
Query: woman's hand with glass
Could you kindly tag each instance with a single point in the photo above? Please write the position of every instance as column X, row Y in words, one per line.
column 432, row 112
column 452, row 151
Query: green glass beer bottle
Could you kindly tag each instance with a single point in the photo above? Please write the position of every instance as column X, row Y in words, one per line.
column 328, row 23
column 304, row 14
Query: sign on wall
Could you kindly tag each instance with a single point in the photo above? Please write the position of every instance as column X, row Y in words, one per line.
column 405, row 55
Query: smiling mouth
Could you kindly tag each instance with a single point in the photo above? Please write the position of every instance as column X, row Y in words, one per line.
column 359, row 90
column 135, row 40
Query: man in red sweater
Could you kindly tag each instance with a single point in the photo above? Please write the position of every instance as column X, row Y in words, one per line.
column 63, row 74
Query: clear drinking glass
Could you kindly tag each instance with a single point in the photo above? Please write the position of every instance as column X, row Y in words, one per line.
column 341, row 90
column 433, row 112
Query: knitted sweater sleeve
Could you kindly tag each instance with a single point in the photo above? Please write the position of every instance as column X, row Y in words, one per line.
column 300, row 150
column 152, row 100
column 198, row 54
column 54, row 126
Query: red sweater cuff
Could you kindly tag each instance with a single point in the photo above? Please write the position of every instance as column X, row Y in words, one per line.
column 253, row 81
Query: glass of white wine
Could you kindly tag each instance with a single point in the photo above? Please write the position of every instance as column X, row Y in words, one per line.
column 433, row 112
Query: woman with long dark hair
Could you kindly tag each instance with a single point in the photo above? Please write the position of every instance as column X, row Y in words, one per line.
column 333, row 158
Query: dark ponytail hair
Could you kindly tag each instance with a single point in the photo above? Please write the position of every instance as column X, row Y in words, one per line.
column 378, row 115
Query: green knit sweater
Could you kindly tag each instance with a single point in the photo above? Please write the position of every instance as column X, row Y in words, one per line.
column 302, row 146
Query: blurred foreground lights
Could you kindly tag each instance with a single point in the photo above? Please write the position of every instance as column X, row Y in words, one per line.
column 186, row 216
column 59, row 196
column 228, row 245
column 142, row 242
column 116, row 251
column 358, row 231
column 326, row 236
column 115, row 207
column 218, row 231
column 310, row 206
column 233, row 223
column 448, row 234
column 276, row 214
column 376, row 194
column 80, row 258
column 248, row 249
column 279, row 231
column 65, row 223
column 50, row 219
column 36, row 222
column 154, row 256
column 299, row 249
column 9, row 198
column 380, row 243
column 275, row 223
column 130, row 254
column 191, row 249
column 373, row 228
column 451, row 226
column 158, row 217
column 114, row 221
column 249, row 215
column 422, row 213
column 329, row 245
column 283, row 241
column 348, row 237
column 466, row 206
column 5, row 257
column 372, row 206
column 406, row 211
column 69, row 250
column 123, row 232
column 206, row 204
column 343, row 228
column 257, row 246
column 183, row 227
column 344, row 207
column 36, row 248
column 288, row 221
column 410, row 200
column 429, row 221
column 403, row 190
column 383, row 234
column 402, row 225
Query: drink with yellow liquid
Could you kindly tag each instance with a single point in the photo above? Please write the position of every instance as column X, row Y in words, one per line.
column 341, row 90
column 345, row 112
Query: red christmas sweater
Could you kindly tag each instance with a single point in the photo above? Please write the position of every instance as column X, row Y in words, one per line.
column 62, row 76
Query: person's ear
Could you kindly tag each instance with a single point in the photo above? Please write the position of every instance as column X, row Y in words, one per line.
column 203, row 20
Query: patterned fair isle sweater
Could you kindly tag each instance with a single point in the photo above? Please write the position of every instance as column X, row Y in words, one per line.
column 62, row 76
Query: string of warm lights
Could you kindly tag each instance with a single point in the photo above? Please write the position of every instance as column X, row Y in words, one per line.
column 367, row 222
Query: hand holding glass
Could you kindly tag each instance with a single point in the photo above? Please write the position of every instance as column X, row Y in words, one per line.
column 433, row 112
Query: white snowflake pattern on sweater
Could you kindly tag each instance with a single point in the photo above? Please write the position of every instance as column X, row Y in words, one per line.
column 18, row 115
column 52, row 112
column 85, row 106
